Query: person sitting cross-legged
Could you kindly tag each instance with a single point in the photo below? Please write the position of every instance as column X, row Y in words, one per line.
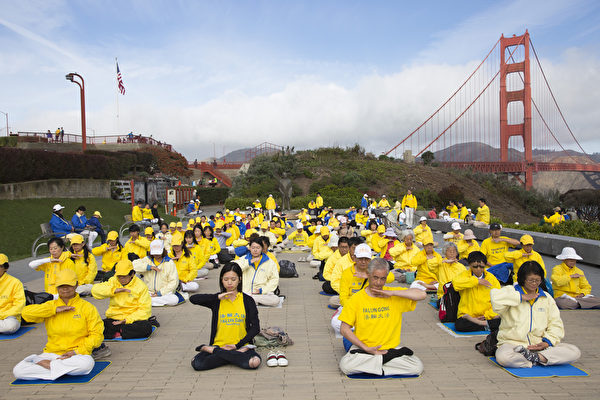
column 474, row 308
column 531, row 330
column 159, row 273
column 234, row 324
column 130, row 306
column 12, row 299
column 571, row 288
column 260, row 275
column 74, row 329
column 376, row 316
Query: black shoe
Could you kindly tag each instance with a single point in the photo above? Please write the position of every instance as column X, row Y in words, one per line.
column 101, row 352
column 316, row 276
column 154, row 321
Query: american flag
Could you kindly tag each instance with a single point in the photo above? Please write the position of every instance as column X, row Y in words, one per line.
column 120, row 80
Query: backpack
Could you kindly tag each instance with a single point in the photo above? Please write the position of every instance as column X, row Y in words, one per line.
column 449, row 304
column 287, row 269
column 35, row 298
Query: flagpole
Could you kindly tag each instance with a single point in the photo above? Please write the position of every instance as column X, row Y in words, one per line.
column 117, row 98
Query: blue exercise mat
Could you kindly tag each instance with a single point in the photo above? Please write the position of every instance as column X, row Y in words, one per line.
column 543, row 371
column 22, row 330
column 332, row 307
column 433, row 303
column 452, row 327
column 371, row 376
column 131, row 340
column 347, row 344
column 99, row 366
column 326, row 294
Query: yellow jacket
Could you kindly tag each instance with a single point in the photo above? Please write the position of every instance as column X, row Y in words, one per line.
column 210, row 247
column 299, row 239
column 159, row 283
column 274, row 259
column 409, row 200
column 147, row 213
column 311, row 239
column 81, row 329
column 463, row 213
column 424, row 266
column 335, row 257
column 378, row 242
column 256, row 204
column 321, row 251
column 383, row 203
column 554, row 219
column 235, row 235
column 422, row 235
column 51, row 269
column 368, row 235
column 449, row 237
column 12, row 297
column 350, row 284
column 453, row 211
column 333, row 222
column 109, row 257
column 483, row 214
column 465, row 248
column 517, row 259
column 562, row 283
column 85, row 272
column 262, row 278
column 403, row 257
column 445, row 272
column 136, row 214
column 361, row 219
column 270, row 203
column 525, row 323
column 475, row 298
column 338, row 269
column 278, row 232
column 133, row 306
column 384, row 247
column 140, row 246
column 187, row 268
column 319, row 201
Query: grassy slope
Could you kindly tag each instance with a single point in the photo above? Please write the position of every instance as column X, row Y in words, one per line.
column 21, row 219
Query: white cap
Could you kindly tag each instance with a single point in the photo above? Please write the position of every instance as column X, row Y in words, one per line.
column 422, row 219
column 318, row 229
column 156, row 247
column 237, row 218
column 383, row 195
column 568, row 253
column 365, row 195
column 455, row 226
column 270, row 195
column 299, row 225
column 333, row 240
column 343, row 219
column 57, row 207
column 390, row 232
column 192, row 201
column 362, row 251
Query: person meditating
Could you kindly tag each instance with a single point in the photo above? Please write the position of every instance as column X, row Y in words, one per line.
column 130, row 306
column 531, row 330
column 376, row 316
column 12, row 299
column 59, row 260
column 260, row 275
column 571, row 288
column 234, row 324
column 74, row 329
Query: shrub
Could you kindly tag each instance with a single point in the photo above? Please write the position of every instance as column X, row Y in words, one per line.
column 580, row 229
column 215, row 195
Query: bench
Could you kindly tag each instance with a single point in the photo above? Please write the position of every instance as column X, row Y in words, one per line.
column 42, row 240
column 129, row 222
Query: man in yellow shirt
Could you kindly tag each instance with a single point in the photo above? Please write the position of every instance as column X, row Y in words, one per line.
column 376, row 316
column 130, row 305
column 554, row 219
column 137, row 246
column 12, row 299
column 298, row 238
column 475, row 307
column 270, row 206
column 74, row 330
column 384, row 203
column 341, row 245
column 409, row 205
column 467, row 245
column 518, row 257
column 495, row 247
column 483, row 212
column 571, row 289
column 319, row 202
column 136, row 212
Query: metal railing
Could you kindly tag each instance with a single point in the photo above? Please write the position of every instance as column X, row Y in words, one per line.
column 50, row 137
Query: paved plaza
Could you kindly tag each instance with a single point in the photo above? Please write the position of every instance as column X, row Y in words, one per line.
column 160, row 367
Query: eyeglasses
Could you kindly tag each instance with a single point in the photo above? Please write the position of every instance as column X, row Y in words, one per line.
column 533, row 281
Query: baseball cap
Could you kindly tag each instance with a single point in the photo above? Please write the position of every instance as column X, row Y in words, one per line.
column 3, row 259
column 123, row 267
column 526, row 239
column 495, row 226
column 156, row 247
column 172, row 225
column 299, row 225
column 324, row 231
column 76, row 239
column 264, row 225
column 148, row 231
column 318, row 228
column 97, row 214
column 422, row 219
column 112, row 235
column 362, row 251
column 381, row 229
column 57, row 207
column 177, row 240
column 455, row 226
column 66, row 277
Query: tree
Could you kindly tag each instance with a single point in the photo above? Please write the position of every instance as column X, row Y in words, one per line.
column 427, row 157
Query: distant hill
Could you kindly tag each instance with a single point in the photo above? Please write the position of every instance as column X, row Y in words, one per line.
column 236, row 156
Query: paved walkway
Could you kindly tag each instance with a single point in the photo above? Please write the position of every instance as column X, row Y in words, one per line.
column 160, row 367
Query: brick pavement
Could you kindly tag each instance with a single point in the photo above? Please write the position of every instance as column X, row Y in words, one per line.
column 160, row 367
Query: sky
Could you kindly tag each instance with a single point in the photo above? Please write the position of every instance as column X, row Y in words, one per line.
column 211, row 77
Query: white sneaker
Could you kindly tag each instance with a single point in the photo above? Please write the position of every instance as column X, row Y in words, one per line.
column 185, row 295
column 281, row 360
column 272, row 359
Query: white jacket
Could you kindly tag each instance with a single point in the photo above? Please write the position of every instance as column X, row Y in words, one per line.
column 160, row 283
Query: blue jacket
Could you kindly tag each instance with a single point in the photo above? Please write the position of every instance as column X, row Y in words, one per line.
column 190, row 208
column 364, row 203
column 78, row 222
column 59, row 225
column 242, row 229
column 95, row 222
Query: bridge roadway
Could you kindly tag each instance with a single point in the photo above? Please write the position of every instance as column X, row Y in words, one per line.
column 160, row 367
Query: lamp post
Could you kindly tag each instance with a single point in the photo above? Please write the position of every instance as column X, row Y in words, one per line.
column 71, row 77
column 6, row 114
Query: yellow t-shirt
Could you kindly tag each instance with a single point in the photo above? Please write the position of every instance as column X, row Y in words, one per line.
column 232, row 321
column 494, row 251
column 377, row 320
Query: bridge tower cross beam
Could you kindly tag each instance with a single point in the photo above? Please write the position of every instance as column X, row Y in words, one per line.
column 523, row 96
